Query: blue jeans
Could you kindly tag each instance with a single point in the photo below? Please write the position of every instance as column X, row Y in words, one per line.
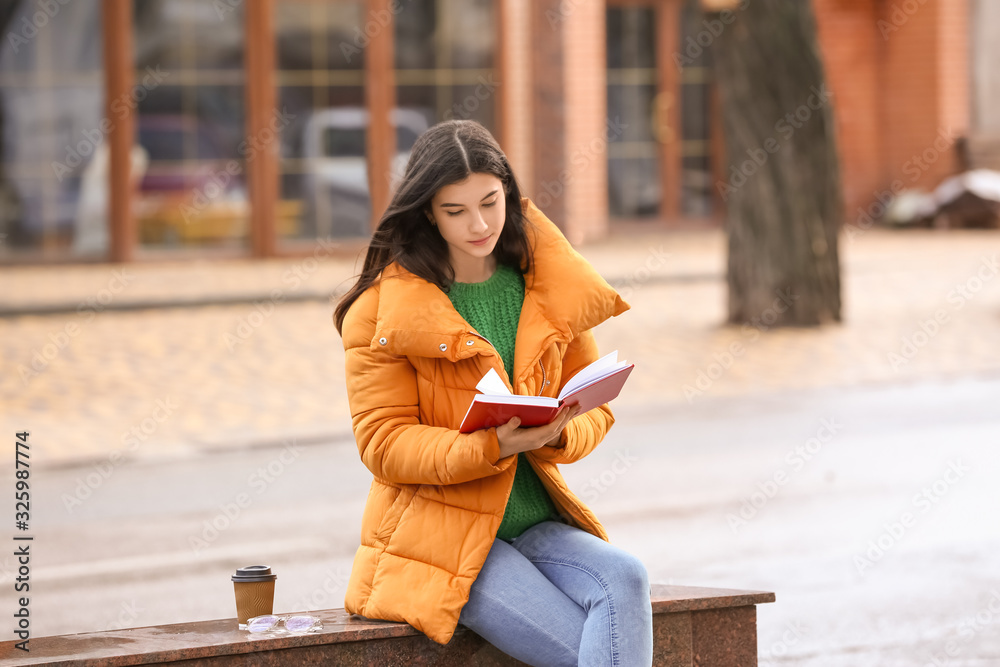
column 557, row 595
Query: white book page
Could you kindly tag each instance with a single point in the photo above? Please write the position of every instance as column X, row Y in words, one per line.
column 604, row 366
column 513, row 399
column 493, row 384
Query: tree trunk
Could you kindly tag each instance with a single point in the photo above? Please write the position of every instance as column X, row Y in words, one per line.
column 782, row 193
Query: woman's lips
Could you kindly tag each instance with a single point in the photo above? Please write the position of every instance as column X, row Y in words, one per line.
column 481, row 241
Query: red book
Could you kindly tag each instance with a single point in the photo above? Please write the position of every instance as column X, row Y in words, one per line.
column 595, row 385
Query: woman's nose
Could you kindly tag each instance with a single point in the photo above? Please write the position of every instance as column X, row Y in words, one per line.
column 478, row 223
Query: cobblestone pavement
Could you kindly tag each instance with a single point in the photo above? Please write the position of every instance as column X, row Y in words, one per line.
column 171, row 381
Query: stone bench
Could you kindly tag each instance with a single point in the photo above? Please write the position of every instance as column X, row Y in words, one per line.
column 703, row 627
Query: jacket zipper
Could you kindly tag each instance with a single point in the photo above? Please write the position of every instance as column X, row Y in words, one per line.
column 544, row 380
column 487, row 340
column 569, row 503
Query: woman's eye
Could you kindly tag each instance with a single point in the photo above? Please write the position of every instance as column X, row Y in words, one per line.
column 452, row 213
column 491, row 203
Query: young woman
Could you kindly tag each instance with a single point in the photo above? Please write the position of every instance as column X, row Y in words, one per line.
column 464, row 275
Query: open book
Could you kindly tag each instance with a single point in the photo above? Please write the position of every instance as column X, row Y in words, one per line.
column 594, row 385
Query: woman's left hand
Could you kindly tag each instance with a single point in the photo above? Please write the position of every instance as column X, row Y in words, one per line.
column 514, row 439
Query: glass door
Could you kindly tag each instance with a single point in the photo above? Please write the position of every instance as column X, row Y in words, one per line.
column 53, row 132
column 190, row 153
column 660, row 163
column 324, row 167
column 634, row 180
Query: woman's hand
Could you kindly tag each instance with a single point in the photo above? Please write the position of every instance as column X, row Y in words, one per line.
column 514, row 440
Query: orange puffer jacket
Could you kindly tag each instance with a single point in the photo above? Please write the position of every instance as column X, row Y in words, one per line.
column 438, row 496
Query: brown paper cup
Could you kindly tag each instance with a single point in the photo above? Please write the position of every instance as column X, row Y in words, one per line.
column 253, row 599
column 254, row 586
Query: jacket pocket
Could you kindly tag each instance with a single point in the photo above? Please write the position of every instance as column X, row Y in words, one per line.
column 391, row 517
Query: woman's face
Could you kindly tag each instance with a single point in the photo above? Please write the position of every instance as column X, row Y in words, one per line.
column 470, row 215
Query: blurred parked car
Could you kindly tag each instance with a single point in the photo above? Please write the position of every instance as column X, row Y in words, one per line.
column 336, row 174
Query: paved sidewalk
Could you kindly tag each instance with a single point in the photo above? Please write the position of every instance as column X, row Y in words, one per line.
column 98, row 288
column 266, row 364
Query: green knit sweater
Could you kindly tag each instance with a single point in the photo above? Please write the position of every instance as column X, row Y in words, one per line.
column 493, row 308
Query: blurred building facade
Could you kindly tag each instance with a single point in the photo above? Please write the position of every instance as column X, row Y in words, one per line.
column 147, row 129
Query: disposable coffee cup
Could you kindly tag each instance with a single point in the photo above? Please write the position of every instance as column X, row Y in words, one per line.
column 254, row 587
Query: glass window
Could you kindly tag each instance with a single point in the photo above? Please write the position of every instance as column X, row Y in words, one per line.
column 696, row 81
column 53, row 162
column 445, row 52
column 634, row 189
column 190, row 149
column 324, row 168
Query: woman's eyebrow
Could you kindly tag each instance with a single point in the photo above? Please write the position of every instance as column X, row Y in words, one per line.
column 459, row 205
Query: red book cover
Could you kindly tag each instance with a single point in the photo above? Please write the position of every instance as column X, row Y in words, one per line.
column 591, row 388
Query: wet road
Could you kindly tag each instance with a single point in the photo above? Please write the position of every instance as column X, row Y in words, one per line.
column 869, row 511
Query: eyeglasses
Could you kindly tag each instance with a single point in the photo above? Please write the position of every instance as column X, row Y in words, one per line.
column 295, row 625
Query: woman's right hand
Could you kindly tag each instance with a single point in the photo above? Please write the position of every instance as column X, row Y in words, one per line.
column 513, row 439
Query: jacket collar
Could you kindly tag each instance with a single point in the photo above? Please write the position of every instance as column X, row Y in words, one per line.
column 564, row 296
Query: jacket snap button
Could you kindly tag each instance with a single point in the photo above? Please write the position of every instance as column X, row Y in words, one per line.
column 443, row 347
column 382, row 341
column 470, row 342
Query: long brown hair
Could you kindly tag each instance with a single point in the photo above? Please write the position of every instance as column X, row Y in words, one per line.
column 447, row 153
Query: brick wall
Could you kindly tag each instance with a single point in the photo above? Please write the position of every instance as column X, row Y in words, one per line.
column 899, row 72
column 515, row 51
column 548, row 109
column 985, row 23
column 568, row 58
column 850, row 45
column 586, row 121
column 954, row 71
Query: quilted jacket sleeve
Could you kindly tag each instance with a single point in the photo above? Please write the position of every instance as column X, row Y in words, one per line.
column 394, row 445
column 585, row 432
